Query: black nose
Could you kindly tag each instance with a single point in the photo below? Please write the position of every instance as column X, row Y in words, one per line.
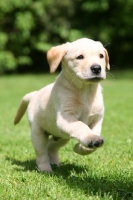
column 96, row 69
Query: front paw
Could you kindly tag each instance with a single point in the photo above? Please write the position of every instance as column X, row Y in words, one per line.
column 92, row 141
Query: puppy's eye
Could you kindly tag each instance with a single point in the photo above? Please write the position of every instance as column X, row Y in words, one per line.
column 80, row 57
column 101, row 55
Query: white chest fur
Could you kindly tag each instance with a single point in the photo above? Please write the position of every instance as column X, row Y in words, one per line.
column 90, row 104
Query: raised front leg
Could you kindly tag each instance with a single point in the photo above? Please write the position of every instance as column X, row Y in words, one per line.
column 73, row 128
column 96, row 129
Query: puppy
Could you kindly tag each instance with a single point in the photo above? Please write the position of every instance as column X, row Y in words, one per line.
column 72, row 107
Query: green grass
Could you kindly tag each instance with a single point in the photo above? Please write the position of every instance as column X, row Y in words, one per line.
column 106, row 174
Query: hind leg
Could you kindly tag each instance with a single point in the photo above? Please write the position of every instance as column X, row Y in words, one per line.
column 40, row 144
column 80, row 149
column 53, row 148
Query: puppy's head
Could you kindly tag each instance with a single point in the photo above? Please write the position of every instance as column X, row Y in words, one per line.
column 84, row 58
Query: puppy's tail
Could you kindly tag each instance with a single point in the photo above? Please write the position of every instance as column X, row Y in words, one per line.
column 23, row 106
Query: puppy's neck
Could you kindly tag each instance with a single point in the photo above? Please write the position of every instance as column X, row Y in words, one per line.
column 70, row 80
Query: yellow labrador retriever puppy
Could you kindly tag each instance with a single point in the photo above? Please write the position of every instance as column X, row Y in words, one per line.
column 72, row 107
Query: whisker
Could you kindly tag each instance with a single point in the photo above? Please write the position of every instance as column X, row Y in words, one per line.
column 73, row 79
column 71, row 74
column 110, row 75
column 107, row 44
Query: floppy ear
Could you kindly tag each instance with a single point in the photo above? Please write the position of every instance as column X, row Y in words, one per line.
column 107, row 59
column 54, row 56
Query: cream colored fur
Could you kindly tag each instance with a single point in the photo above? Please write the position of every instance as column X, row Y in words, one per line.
column 72, row 107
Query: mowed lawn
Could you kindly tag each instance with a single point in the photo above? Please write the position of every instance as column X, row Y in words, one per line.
column 106, row 174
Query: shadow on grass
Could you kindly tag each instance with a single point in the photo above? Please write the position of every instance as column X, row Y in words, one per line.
column 91, row 184
column 79, row 177
column 27, row 165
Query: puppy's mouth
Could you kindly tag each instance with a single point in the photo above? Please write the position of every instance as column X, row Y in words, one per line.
column 96, row 79
column 93, row 79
